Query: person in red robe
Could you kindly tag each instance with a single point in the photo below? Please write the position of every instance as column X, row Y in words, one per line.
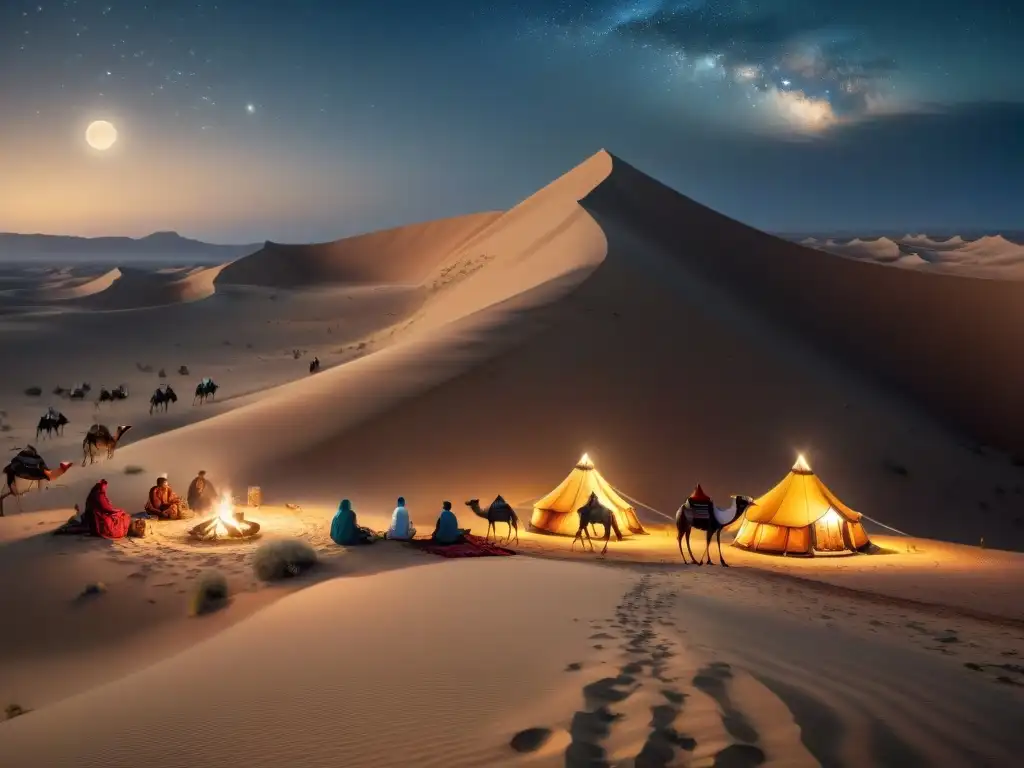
column 104, row 518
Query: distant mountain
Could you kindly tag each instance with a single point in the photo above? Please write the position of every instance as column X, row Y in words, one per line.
column 938, row 233
column 159, row 245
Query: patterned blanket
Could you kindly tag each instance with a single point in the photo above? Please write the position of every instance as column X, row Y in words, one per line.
column 471, row 546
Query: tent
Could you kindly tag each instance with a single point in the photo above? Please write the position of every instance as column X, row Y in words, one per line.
column 801, row 516
column 556, row 512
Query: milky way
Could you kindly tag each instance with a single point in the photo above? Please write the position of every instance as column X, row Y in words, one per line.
column 809, row 71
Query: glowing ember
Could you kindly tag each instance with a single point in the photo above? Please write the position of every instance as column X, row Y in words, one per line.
column 227, row 523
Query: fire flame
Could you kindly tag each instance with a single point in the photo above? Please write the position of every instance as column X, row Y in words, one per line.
column 226, row 515
column 585, row 461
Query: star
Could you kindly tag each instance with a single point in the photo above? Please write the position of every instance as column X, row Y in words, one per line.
column 250, row 108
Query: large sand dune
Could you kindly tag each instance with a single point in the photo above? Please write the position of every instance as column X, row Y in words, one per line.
column 610, row 314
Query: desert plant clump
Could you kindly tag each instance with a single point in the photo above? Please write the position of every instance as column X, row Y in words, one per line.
column 12, row 711
column 134, row 469
column 162, row 373
column 211, row 593
column 183, row 370
column 34, row 391
column 283, row 559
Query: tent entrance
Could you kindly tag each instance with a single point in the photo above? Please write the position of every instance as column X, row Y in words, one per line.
column 828, row 533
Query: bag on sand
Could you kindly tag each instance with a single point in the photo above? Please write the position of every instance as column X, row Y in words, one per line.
column 138, row 528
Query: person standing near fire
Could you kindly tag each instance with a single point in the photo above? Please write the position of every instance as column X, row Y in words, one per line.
column 201, row 493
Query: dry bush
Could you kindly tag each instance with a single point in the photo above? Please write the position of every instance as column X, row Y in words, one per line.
column 283, row 559
column 34, row 391
column 134, row 469
column 211, row 593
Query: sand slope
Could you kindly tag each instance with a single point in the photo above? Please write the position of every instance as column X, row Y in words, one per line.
column 399, row 255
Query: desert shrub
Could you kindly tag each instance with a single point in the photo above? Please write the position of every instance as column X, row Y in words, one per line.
column 162, row 373
column 34, row 391
column 211, row 593
column 134, row 469
column 283, row 559
column 183, row 370
column 15, row 710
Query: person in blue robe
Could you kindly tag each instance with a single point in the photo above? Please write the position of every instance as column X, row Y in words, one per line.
column 447, row 530
column 346, row 531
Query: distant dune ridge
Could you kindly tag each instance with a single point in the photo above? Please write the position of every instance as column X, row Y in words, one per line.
column 992, row 256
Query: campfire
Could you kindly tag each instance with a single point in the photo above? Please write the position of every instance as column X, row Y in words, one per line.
column 227, row 523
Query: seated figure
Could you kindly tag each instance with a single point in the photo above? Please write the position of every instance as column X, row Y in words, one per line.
column 163, row 502
column 447, row 530
column 344, row 529
column 201, row 493
column 102, row 517
column 401, row 526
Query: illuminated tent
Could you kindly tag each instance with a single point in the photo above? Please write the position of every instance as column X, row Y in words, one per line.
column 556, row 512
column 801, row 516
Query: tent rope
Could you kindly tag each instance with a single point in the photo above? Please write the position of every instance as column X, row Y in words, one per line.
column 887, row 527
column 627, row 497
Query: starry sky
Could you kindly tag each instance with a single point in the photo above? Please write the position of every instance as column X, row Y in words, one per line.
column 307, row 120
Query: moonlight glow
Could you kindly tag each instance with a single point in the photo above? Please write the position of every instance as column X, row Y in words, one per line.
column 101, row 135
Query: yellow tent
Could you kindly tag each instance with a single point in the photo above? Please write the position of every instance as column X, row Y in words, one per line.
column 556, row 512
column 801, row 516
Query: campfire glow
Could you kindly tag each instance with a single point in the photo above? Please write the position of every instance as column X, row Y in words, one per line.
column 227, row 523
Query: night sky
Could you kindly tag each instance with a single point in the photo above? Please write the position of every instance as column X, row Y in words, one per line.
column 306, row 120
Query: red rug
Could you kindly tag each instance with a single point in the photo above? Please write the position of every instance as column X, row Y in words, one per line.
column 471, row 546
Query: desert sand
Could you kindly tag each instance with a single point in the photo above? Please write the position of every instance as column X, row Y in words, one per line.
column 482, row 355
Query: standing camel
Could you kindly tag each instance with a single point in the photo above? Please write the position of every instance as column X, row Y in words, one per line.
column 500, row 511
column 162, row 398
column 51, row 424
column 699, row 512
column 205, row 389
column 27, row 471
column 118, row 393
column 594, row 512
column 99, row 439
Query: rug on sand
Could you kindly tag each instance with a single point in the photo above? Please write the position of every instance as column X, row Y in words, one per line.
column 471, row 546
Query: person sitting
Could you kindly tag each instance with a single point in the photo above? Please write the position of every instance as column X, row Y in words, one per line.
column 344, row 529
column 163, row 502
column 102, row 517
column 447, row 530
column 401, row 526
column 201, row 493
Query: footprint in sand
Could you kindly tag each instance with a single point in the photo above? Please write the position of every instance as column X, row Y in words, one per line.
column 601, row 636
column 574, row 667
column 530, row 740
column 712, row 680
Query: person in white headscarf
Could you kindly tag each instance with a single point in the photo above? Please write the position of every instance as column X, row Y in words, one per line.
column 401, row 526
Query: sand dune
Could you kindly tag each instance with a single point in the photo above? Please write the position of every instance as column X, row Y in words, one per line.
column 534, row 351
column 882, row 250
column 400, row 255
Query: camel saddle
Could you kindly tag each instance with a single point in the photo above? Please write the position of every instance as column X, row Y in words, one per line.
column 700, row 504
column 27, row 464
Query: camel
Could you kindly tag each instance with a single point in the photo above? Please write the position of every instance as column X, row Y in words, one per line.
column 99, row 439
column 120, row 393
column 162, row 398
column 500, row 511
column 25, row 472
column 79, row 391
column 700, row 512
column 50, row 424
column 594, row 512
column 314, row 366
column 205, row 389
